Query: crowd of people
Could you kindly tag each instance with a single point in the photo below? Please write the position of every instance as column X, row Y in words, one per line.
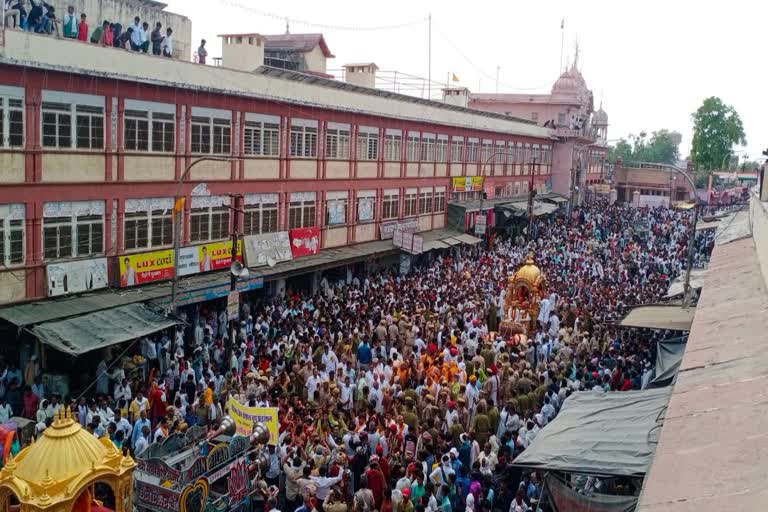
column 395, row 393
column 40, row 17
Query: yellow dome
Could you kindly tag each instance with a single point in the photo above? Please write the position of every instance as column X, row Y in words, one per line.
column 529, row 272
column 64, row 451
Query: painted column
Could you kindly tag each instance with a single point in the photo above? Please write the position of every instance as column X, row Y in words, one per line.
column 120, row 139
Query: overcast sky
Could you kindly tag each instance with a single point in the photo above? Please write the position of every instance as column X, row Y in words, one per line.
column 652, row 62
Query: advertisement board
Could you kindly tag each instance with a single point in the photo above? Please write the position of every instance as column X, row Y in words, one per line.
column 305, row 241
column 77, row 276
column 468, row 184
column 267, row 249
column 146, row 267
column 207, row 257
column 246, row 417
column 408, row 225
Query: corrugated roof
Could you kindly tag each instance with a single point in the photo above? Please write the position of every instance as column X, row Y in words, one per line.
column 660, row 316
column 712, row 453
column 297, row 42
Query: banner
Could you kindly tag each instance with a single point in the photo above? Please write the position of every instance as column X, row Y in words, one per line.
column 305, row 241
column 267, row 249
column 407, row 225
column 77, row 276
column 146, row 267
column 468, row 184
column 207, row 257
column 246, row 417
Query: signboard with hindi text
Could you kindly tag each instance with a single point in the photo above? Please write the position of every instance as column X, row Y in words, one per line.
column 267, row 249
column 76, row 276
column 468, row 184
column 146, row 267
column 246, row 417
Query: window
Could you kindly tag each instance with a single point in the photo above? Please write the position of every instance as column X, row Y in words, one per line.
column 457, row 150
column 411, row 200
column 57, row 125
column 441, row 150
column 520, row 155
column 11, row 241
column 337, row 144
column 301, row 214
column 528, row 154
column 425, row 203
column 336, row 211
column 138, row 136
column 535, row 117
column 143, row 230
column 209, row 223
column 366, row 206
column 90, row 127
column 413, row 147
column 260, row 218
column 11, row 124
column 303, row 141
column 211, row 135
column 367, row 145
column 472, row 153
column 66, row 237
column 391, row 206
column 487, row 152
column 261, row 138
column 561, row 118
column 440, row 201
column 427, row 149
column 393, row 147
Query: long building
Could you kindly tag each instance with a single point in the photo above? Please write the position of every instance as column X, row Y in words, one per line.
column 96, row 143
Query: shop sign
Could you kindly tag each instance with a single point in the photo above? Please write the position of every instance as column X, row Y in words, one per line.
column 408, row 225
column 246, row 417
column 158, row 468
column 77, row 276
column 157, row 496
column 146, row 267
column 186, row 297
column 233, row 305
column 481, row 221
column 207, row 257
column 409, row 242
column 468, row 184
column 305, row 241
column 267, row 249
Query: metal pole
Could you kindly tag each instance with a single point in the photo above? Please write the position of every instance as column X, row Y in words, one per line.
column 531, row 195
column 178, row 199
column 688, row 296
column 429, row 65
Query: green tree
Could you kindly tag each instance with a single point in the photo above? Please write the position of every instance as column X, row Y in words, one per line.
column 663, row 146
column 717, row 127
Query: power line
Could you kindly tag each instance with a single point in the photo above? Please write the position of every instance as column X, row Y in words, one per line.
column 351, row 28
column 483, row 72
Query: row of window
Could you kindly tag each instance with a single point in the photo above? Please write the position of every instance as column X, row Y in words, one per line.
column 83, row 235
column 78, row 126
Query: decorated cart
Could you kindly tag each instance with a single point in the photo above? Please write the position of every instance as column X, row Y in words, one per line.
column 525, row 288
column 199, row 472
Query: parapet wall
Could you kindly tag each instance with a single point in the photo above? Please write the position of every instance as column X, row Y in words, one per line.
column 759, row 220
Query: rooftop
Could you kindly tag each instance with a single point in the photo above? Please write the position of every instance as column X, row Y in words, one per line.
column 297, row 42
column 712, row 453
column 51, row 54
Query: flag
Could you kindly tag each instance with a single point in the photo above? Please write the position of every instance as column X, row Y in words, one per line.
column 562, row 24
column 454, row 77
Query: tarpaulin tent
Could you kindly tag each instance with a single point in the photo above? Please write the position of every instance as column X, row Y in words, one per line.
column 600, row 434
column 564, row 499
column 669, row 356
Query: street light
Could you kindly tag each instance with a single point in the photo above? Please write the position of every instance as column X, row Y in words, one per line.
column 178, row 212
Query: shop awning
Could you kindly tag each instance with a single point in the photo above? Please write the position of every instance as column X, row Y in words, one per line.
column 434, row 244
column 101, row 329
column 451, row 241
column 660, row 316
column 610, row 433
column 702, row 225
column 468, row 239
column 678, row 285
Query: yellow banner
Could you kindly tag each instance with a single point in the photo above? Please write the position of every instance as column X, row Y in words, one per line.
column 146, row 267
column 468, row 184
column 245, row 417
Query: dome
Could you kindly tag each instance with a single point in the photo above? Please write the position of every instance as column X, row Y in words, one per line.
column 529, row 272
column 64, row 451
column 568, row 83
column 600, row 117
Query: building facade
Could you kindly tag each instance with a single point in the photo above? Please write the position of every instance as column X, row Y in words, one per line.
column 97, row 143
column 569, row 110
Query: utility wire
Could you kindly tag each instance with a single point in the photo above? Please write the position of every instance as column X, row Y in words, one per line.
column 351, row 28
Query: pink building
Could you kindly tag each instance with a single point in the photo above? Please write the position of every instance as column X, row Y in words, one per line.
column 582, row 133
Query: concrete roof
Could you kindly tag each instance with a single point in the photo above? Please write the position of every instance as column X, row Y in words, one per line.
column 712, row 452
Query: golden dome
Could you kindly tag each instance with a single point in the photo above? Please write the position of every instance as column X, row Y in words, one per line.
column 529, row 272
column 64, row 451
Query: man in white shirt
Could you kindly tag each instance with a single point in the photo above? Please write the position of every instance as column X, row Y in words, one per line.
column 167, row 45
column 142, row 443
column 6, row 413
column 136, row 38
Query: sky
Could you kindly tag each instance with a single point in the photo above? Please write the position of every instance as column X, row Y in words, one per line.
column 652, row 63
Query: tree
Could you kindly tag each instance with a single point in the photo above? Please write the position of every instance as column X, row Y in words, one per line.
column 662, row 147
column 717, row 127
